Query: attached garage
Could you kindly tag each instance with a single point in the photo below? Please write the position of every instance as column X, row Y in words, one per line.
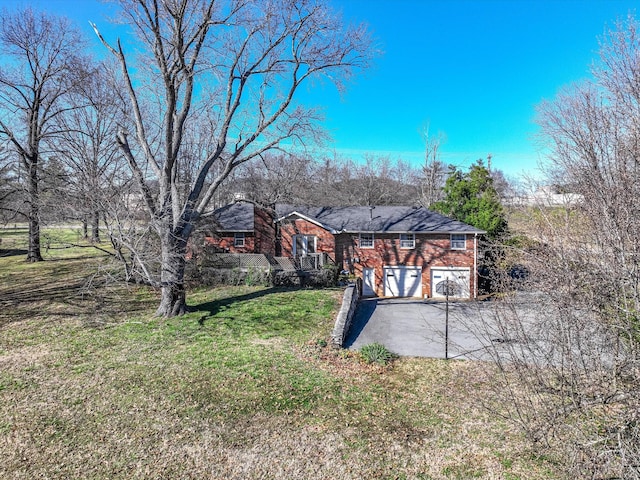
column 461, row 276
column 402, row 281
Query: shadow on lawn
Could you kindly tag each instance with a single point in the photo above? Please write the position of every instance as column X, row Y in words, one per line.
column 60, row 291
column 214, row 307
column 19, row 302
column 12, row 252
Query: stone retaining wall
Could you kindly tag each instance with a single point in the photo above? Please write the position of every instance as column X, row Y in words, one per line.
column 345, row 316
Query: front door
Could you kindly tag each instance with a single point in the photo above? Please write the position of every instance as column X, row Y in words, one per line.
column 368, row 282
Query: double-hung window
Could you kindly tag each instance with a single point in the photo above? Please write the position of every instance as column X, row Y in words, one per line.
column 366, row 240
column 407, row 240
column 238, row 239
column 304, row 245
column 458, row 241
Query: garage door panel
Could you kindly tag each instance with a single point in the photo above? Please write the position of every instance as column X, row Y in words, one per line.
column 461, row 276
column 403, row 281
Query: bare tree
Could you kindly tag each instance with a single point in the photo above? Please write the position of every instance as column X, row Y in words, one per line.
column 276, row 178
column 42, row 65
column 434, row 171
column 408, row 178
column 327, row 176
column 330, row 181
column 239, row 63
column 86, row 144
column 506, row 187
column 379, row 180
column 573, row 370
column 11, row 191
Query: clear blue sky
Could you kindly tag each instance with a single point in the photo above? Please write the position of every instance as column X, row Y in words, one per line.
column 472, row 69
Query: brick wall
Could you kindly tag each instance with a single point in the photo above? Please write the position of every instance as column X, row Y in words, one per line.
column 225, row 241
column 430, row 251
column 325, row 241
column 265, row 232
column 261, row 240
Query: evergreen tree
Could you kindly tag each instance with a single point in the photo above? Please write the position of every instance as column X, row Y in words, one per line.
column 471, row 198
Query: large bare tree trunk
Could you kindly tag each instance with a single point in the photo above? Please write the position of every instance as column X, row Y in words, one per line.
column 33, row 252
column 95, row 226
column 173, row 300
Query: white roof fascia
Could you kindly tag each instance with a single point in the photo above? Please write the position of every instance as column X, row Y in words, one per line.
column 418, row 232
column 311, row 220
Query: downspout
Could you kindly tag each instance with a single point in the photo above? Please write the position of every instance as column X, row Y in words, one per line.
column 475, row 265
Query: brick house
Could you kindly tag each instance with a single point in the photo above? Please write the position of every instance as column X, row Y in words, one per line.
column 397, row 251
column 241, row 227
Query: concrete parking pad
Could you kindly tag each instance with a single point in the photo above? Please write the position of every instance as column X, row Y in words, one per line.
column 411, row 327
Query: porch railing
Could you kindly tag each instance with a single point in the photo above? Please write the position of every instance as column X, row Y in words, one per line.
column 312, row 261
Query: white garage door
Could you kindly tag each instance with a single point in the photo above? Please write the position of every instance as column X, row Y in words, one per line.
column 459, row 275
column 403, row 281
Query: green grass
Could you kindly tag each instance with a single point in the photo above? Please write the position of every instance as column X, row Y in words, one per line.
column 92, row 385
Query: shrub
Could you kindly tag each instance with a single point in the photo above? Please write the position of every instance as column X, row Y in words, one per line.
column 288, row 279
column 377, row 353
column 323, row 278
column 257, row 277
column 206, row 276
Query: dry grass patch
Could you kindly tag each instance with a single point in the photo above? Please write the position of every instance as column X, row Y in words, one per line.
column 244, row 387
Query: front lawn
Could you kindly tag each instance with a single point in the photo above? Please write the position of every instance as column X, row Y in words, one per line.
column 244, row 386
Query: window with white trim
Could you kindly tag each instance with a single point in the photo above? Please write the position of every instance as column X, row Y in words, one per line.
column 366, row 240
column 407, row 240
column 458, row 241
column 304, row 245
column 238, row 239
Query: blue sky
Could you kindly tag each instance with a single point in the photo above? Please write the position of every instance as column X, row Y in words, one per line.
column 473, row 70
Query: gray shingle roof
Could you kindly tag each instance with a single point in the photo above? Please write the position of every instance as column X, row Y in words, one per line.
column 239, row 217
column 378, row 219
column 235, row 217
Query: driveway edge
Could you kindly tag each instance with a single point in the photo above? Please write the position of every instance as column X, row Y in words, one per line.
column 345, row 315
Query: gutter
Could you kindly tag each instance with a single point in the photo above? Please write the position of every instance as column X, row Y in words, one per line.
column 416, row 232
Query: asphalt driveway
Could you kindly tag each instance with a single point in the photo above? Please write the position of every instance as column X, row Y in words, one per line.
column 412, row 327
